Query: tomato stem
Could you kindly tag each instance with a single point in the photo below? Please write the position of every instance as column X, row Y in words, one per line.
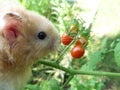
column 68, row 80
column 78, row 72
column 64, row 51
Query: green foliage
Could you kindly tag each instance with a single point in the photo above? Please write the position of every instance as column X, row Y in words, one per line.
column 94, row 59
column 32, row 87
column 95, row 55
column 37, row 5
column 52, row 84
column 86, row 83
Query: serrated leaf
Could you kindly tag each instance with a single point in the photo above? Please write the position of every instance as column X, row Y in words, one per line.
column 117, row 54
column 94, row 59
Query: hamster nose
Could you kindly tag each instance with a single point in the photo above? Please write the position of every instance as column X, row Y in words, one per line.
column 55, row 43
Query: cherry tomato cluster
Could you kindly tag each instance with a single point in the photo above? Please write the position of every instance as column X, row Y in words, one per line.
column 77, row 51
column 75, row 27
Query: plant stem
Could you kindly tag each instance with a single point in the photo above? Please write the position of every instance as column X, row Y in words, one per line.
column 68, row 80
column 77, row 72
column 63, row 52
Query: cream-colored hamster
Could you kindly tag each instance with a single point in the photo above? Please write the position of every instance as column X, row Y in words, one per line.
column 25, row 36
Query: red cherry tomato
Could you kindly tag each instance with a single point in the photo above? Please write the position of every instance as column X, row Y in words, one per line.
column 77, row 51
column 66, row 40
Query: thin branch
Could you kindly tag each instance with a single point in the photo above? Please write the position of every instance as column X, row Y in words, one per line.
column 68, row 80
column 63, row 52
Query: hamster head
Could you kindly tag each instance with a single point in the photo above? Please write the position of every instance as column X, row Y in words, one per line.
column 29, row 35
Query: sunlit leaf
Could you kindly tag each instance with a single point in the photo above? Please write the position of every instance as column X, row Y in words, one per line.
column 117, row 54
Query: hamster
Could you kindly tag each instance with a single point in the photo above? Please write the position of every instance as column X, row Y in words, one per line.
column 25, row 37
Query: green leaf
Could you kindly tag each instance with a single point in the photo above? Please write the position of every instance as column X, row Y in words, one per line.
column 117, row 54
column 33, row 87
column 50, row 85
column 104, row 43
column 94, row 59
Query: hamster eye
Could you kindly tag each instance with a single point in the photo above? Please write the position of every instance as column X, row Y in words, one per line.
column 42, row 35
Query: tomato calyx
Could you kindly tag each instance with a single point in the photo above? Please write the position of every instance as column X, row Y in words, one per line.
column 73, row 28
column 81, row 41
column 78, row 42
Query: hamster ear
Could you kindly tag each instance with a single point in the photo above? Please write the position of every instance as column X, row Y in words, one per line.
column 13, row 15
column 12, row 25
